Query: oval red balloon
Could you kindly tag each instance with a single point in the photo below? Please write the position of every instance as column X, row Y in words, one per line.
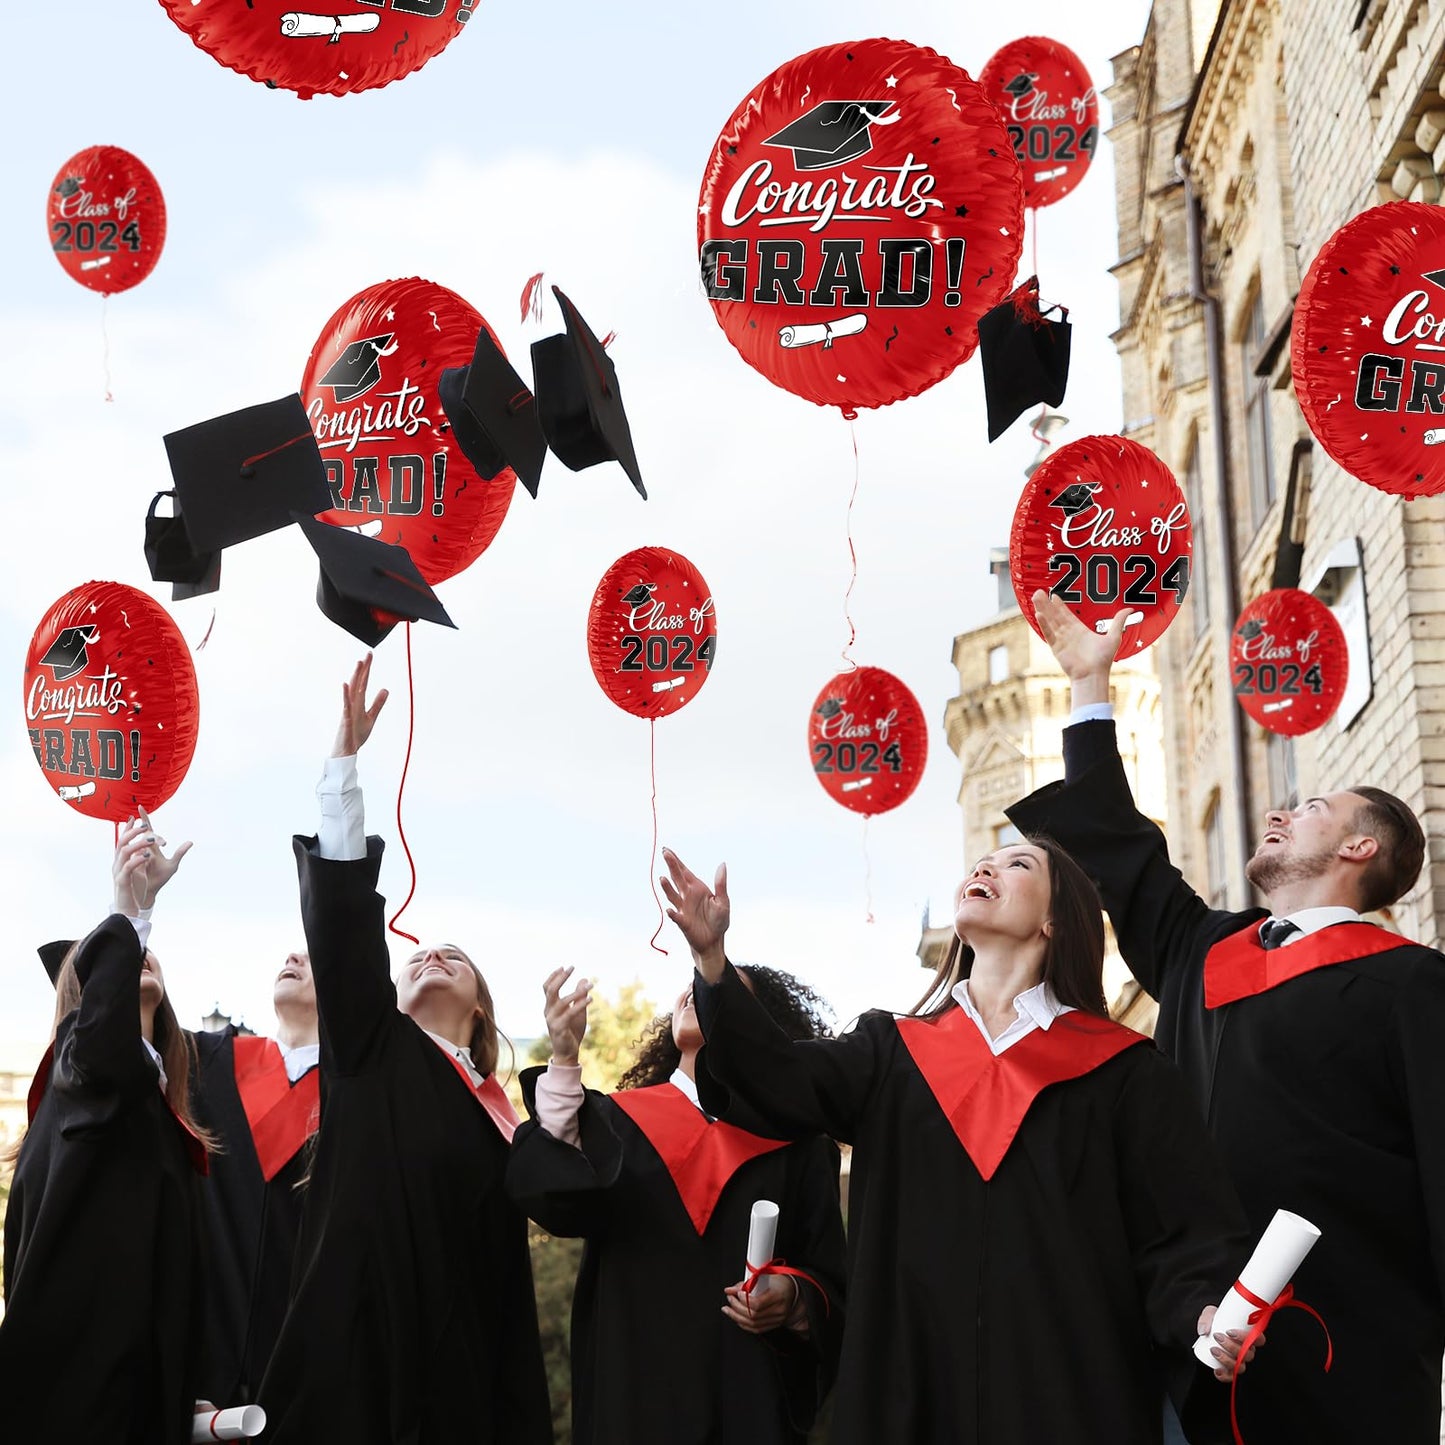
column 1289, row 661
column 1368, row 347
column 652, row 632
column 370, row 390
column 1052, row 112
column 1103, row 525
column 110, row 701
column 867, row 740
column 107, row 219
column 861, row 211
column 373, row 43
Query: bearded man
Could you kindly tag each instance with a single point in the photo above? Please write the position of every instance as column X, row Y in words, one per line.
column 1314, row 1044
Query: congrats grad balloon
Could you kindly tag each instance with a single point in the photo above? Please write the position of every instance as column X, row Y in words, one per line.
column 110, row 701
column 370, row 391
column 868, row 740
column 1368, row 347
column 107, row 219
column 348, row 45
column 1103, row 525
column 1289, row 661
column 861, row 211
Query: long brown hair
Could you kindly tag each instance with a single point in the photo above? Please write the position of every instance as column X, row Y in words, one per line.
column 1073, row 952
column 484, row 1043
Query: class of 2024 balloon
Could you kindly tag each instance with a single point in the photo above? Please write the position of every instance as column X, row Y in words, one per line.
column 370, row 392
column 110, row 701
column 868, row 740
column 861, row 210
column 322, row 53
column 1289, row 663
column 107, row 219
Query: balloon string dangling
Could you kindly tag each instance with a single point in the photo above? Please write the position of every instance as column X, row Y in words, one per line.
column 400, row 788
column 652, row 862
column 867, row 870
column 105, row 343
column 1033, row 214
column 210, row 627
column 852, row 556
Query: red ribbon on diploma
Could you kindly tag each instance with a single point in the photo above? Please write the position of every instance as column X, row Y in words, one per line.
column 1265, row 1311
column 777, row 1266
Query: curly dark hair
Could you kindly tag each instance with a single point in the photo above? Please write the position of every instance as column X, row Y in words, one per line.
column 792, row 1005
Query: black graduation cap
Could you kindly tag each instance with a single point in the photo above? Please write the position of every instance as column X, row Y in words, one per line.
column 1021, row 84
column 830, row 707
column 242, row 475
column 831, row 133
column 357, row 369
column 494, row 415
column 579, row 400
column 1025, row 357
column 52, row 955
column 1438, row 277
column 366, row 585
column 171, row 558
column 639, row 594
column 66, row 655
column 1251, row 629
column 1074, row 498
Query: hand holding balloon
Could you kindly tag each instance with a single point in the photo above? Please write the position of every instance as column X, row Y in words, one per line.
column 1084, row 656
column 140, row 869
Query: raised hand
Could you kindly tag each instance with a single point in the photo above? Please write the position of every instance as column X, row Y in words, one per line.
column 566, row 1017
column 140, row 869
column 357, row 720
column 700, row 912
column 1084, row 656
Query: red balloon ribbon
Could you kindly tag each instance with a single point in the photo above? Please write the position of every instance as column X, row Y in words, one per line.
column 1264, row 1312
column 777, row 1266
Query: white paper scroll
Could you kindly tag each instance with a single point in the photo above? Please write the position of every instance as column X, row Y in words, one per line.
column 793, row 337
column 762, row 1232
column 303, row 25
column 1435, row 437
column 1280, row 1251
column 243, row 1423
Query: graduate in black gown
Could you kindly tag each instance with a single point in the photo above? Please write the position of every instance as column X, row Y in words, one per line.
column 1037, row 1224
column 260, row 1099
column 104, row 1246
column 670, row 1342
column 412, row 1320
column 1314, row 1054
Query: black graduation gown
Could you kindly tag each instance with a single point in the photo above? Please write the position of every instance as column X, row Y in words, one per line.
column 1324, row 1095
column 412, row 1320
column 1025, row 1308
column 649, row 1340
column 252, row 1223
column 104, row 1248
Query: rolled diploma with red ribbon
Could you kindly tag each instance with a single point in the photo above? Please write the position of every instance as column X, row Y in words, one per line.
column 762, row 1234
column 1279, row 1253
column 243, row 1423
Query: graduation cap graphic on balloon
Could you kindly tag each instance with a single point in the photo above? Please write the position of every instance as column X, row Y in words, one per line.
column 66, row 656
column 68, row 187
column 1075, row 498
column 1250, row 628
column 829, row 707
column 1021, row 84
column 358, row 368
column 833, row 132
column 640, row 594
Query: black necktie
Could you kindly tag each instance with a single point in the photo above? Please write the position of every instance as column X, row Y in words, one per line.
column 1276, row 931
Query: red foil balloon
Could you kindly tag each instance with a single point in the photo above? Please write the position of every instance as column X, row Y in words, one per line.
column 867, row 740
column 1288, row 661
column 110, row 701
column 1051, row 109
column 370, row 43
column 861, row 211
column 1103, row 525
column 1368, row 347
column 652, row 632
column 107, row 219
column 370, row 390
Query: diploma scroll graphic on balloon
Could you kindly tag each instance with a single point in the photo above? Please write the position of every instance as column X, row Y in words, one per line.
column 826, row 332
column 303, row 25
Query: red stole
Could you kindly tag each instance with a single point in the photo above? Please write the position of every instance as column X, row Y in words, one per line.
column 490, row 1095
column 1240, row 966
column 282, row 1115
column 195, row 1150
column 985, row 1097
column 700, row 1156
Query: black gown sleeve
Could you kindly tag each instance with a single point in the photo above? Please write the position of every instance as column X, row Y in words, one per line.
column 103, row 1050
column 562, row 1188
column 1092, row 816
column 344, row 918
column 750, row 1068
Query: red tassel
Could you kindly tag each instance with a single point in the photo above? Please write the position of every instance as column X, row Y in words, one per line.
column 532, row 298
column 608, row 339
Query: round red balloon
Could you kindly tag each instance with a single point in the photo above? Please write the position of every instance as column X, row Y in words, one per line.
column 371, row 43
column 868, row 740
column 107, row 219
column 861, row 211
column 1288, row 661
column 1368, row 347
column 370, row 390
column 110, row 701
column 652, row 632
column 1051, row 109
column 1103, row 525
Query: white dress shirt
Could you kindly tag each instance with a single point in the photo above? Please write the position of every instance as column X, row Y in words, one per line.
column 342, row 832
column 299, row 1060
column 1036, row 1007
